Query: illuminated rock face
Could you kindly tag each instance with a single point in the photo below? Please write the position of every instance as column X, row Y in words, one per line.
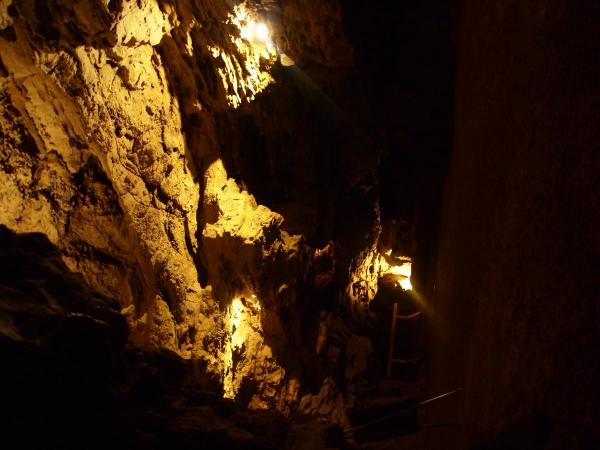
column 110, row 148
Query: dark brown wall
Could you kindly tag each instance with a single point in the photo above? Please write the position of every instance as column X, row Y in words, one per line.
column 516, row 306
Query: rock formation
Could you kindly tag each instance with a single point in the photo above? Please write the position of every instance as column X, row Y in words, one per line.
column 69, row 382
column 119, row 119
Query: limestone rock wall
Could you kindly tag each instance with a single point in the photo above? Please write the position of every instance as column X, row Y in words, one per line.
column 67, row 366
column 110, row 147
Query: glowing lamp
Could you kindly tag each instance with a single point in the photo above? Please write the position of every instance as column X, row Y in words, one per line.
column 261, row 31
column 253, row 32
column 405, row 284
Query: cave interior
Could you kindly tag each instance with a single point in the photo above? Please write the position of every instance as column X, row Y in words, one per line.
column 299, row 224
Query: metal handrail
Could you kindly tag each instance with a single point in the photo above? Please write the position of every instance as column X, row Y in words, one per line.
column 405, row 410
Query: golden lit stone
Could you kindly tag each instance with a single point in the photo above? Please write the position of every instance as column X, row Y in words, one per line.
column 246, row 75
column 400, row 267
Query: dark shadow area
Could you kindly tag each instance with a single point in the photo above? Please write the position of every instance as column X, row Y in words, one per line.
column 289, row 151
column 352, row 159
column 404, row 61
column 69, row 382
column 517, row 295
column 540, row 433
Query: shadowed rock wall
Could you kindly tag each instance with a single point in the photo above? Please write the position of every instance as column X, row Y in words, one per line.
column 517, row 305
column 69, row 381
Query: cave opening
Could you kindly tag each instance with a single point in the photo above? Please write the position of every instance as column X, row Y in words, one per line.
column 298, row 224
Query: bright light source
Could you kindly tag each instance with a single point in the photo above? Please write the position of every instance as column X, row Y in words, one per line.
column 247, row 31
column 405, row 284
column 403, row 270
column 261, row 31
column 253, row 32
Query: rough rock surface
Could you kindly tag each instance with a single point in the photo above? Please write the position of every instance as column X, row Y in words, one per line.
column 112, row 121
column 69, row 382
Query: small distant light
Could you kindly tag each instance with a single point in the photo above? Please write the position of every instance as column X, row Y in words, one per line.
column 261, row 31
column 253, row 295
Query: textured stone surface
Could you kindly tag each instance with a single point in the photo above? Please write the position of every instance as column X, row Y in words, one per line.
column 69, row 382
column 112, row 118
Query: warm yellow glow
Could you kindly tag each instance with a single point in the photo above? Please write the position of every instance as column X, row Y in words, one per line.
column 402, row 270
column 238, row 336
column 286, row 61
column 405, row 284
column 388, row 253
column 262, row 33
column 235, row 318
column 256, row 32
column 247, row 31
column 245, row 73
column 243, row 318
